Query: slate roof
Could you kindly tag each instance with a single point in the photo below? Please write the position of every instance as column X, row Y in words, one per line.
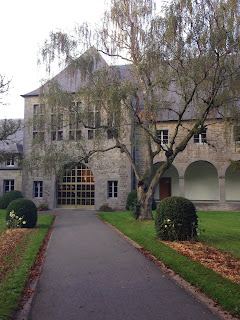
column 14, row 143
column 71, row 83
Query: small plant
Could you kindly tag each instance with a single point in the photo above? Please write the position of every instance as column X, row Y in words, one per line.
column 15, row 221
column 176, row 219
column 43, row 207
column 105, row 208
column 135, row 209
column 131, row 199
column 8, row 197
column 24, row 209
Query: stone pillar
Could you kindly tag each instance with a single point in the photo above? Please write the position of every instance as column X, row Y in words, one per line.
column 181, row 187
column 222, row 190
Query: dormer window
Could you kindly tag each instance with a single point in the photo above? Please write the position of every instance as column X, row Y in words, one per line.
column 10, row 162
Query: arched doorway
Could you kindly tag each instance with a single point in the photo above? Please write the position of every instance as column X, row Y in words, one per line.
column 201, row 181
column 76, row 188
column 232, row 183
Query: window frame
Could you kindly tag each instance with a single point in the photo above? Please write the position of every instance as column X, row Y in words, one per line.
column 200, row 138
column 161, row 134
column 38, row 189
column 10, row 185
column 38, row 122
column 112, row 189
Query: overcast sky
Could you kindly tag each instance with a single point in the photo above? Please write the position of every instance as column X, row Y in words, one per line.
column 24, row 26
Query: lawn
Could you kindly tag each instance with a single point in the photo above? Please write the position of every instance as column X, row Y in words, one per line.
column 222, row 290
column 20, row 260
column 221, row 230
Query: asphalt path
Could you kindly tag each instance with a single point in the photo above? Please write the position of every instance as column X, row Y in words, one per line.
column 91, row 273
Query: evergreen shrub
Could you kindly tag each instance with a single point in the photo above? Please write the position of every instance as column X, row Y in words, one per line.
column 25, row 209
column 8, row 197
column 176, row 219
column 132, row 202
column 131, row 199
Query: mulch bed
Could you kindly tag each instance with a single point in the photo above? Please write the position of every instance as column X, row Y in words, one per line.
column 222, row 263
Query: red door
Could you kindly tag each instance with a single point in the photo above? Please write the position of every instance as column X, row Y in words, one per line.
column 165, row 188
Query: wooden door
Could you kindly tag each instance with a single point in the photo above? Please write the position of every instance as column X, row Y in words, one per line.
column 165, row 188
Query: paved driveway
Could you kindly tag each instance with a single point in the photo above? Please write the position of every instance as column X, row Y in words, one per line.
column 90, row 272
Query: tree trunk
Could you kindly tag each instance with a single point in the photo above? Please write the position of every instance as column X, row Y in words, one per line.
column 145, row 198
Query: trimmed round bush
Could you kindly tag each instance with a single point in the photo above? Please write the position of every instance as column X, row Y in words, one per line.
column 176, row 219
column 24, row 209
column 8, row 197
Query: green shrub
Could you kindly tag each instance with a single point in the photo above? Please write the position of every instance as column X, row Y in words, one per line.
column 24, row 209
column 8, row 197
column 135, row 209
column 105, row 208
column 132, row 202
column 131, row 199
column 176, row 219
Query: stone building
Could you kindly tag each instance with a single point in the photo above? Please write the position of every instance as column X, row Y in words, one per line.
column 202, row 173
column 11, row 154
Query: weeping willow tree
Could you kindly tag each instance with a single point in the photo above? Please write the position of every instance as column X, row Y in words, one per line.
column 182, row 64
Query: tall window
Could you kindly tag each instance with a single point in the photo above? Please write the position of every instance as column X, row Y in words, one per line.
column 113, row 123
column 38, row 189
column 200, row 138
column 56, row 125
column 10, row 162
column 74, row 121
column 94, row 120
column 236, row 133
column 8, row 185
column 38, row 122
column 112, row 189
column 163, row 136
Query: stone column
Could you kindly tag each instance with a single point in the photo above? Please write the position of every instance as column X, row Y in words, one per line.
column 222, row 190
column 181, row 187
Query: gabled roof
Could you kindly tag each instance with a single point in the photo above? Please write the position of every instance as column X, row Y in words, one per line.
column 72, row 81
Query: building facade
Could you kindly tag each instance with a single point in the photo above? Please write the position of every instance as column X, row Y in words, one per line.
column 202, row 173
column 11, row 152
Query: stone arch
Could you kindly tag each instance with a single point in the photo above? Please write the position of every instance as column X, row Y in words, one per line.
column 232, row 184
column 76, row 187
column 201, row 181
column 168, row 184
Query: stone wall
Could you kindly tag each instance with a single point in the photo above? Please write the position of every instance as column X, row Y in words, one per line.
column 10, row 174
column 109, row 166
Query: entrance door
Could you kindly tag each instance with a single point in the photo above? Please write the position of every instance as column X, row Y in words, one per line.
column 76, row 189
column 165, row 188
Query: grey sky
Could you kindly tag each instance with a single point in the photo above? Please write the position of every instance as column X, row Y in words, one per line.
column 24, row 26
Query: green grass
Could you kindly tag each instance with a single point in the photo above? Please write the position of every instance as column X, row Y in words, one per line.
column 222, row 290
column 2, row 220
column 12, row 286
column 222, row 230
